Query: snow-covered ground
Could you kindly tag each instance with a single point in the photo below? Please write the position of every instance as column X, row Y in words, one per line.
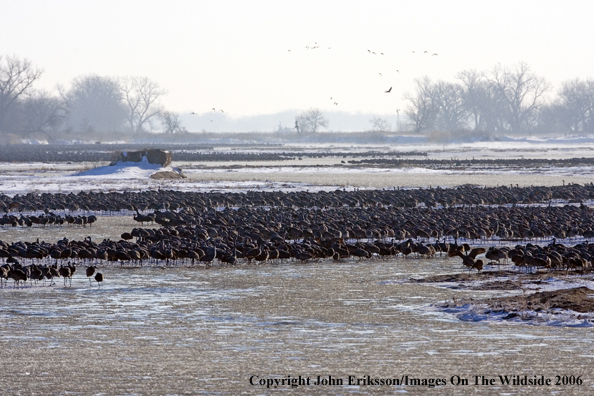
column 136, row 178
column 314, row 174
column 126, row 176
column 124, row 170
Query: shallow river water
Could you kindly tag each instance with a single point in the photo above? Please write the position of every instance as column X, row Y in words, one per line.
column 208, row 331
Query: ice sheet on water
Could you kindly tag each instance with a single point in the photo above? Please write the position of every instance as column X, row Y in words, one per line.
column 560, row 318
column 482, row 312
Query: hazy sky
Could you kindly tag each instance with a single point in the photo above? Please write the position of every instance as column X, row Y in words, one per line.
column 233, row 55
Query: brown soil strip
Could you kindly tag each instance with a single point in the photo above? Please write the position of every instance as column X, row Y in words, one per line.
column 167, row 175
column 579, row 299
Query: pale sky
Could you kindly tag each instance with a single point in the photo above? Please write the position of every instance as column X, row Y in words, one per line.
column 233, row 55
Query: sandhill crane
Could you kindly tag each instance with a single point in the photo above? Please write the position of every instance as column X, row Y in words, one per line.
column 52, row 272
column 495, row 254
column 469, row 259
column 90, row 272
column 99, row 278
column 389, row 90
column 65, row 273
column 303, row 256
column 17, row 275
column 4, row 273
column 209, row 256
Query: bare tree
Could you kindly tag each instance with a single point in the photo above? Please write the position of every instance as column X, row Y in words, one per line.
column 141, row 95
column 452, row 114
column 16, row 78
column 380, row 125
column 551, row 119
column 575, row 106
column 423, row 109
column 519, row 94
column 310, row 121
column 94, row 104
column 41, row 112
column 477, row 97
column 171, row 122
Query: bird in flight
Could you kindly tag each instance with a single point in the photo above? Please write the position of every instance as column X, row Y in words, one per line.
column 192, row 113
column 389, row 90
column 397, row 71
column 213, row 109
column 381, row 53
column 435, row 54
column 222, row 111
column 426, row 52
column 380, row 74
column 335, row 103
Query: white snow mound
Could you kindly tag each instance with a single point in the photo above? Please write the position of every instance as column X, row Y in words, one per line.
column 126, row 170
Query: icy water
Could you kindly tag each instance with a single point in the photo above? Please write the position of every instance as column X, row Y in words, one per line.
column 208, row 331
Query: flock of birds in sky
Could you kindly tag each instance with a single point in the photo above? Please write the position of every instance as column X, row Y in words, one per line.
column 389, row 90
column 335, row 103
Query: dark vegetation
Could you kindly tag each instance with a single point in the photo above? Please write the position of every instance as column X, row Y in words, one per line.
column 182, row 152
column 476, row 163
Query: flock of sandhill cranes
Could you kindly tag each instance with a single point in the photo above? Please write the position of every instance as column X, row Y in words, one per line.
column 36, row 273
column 302, row 226
column 316, row 46
column 389, row 90
column 48, row 218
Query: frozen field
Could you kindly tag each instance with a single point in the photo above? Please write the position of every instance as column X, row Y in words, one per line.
column 323, row 172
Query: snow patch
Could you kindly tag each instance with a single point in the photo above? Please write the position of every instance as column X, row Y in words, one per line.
column 125, row 170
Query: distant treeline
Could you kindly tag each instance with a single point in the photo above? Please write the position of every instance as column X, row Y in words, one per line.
column 487, row 163
column 504, row 100
column 91, row 104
